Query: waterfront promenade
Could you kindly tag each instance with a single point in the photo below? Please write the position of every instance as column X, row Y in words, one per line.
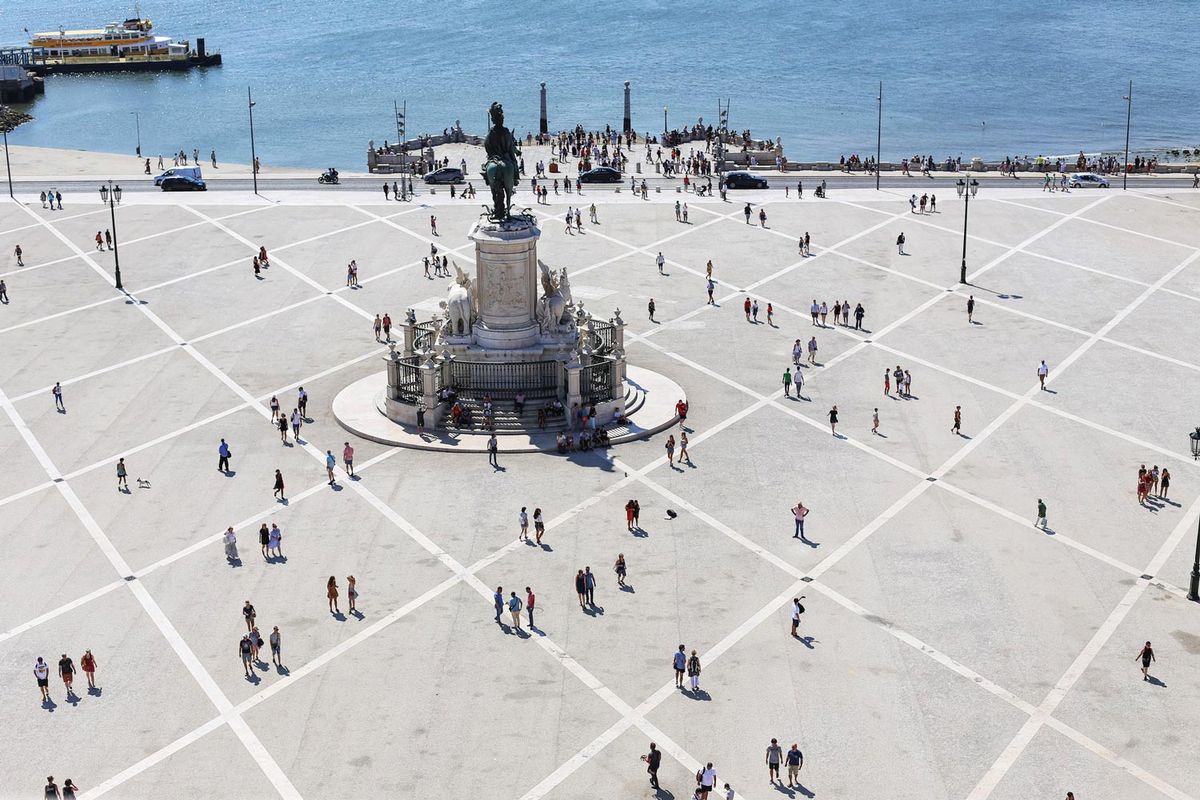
column 949, row 648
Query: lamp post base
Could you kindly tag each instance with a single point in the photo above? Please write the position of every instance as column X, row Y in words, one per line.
column 962, row 274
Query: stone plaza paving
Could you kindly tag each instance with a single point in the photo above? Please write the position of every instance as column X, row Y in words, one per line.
column 950, row 649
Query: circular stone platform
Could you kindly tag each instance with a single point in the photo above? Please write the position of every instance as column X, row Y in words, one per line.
column 357, row 409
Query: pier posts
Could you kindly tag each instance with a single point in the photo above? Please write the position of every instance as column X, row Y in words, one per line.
column 628, row 122
column 544, row 126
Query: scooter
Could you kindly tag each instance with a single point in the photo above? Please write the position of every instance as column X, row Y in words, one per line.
column 329, row 176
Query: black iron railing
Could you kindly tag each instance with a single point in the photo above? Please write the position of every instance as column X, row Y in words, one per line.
column 595, row 381
column 474, row 379
column 404, row 380
column 424, row 336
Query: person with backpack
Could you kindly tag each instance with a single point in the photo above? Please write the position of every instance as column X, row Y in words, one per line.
column 797, row 610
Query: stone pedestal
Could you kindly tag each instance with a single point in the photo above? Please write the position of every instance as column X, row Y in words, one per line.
column 506, row 284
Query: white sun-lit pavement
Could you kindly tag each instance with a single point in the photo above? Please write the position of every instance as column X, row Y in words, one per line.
column 950, row 650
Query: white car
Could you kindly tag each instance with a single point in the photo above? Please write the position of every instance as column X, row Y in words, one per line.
column 1088, row 179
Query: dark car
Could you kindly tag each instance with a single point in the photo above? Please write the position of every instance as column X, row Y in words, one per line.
column 183, row 183
column 445, row 175
column 601, row 175
column 744, row 180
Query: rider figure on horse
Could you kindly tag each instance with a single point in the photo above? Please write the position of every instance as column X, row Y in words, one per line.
column 501, row 170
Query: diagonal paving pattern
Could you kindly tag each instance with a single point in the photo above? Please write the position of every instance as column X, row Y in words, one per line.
column 707, row 440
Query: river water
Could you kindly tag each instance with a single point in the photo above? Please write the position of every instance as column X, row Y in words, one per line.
column 959, row 78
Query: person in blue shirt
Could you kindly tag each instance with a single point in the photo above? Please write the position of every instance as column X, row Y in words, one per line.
column 330, row 463
column 680, row 663
column 223, row 457
column 514, row 607
column 498, row 601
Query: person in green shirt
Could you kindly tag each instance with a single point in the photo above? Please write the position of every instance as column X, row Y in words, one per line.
column 1041, row 517
column 787, row 382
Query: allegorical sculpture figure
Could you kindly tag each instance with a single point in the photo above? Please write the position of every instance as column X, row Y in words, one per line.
column 461, row 305
column 500, row 171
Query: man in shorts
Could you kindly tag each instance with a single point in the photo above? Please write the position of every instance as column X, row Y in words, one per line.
column 41, row 671
column 246, row 651
column 774, row 758
column 66, row 669
column 794, row 760
column 680, row 663
column 348, row 458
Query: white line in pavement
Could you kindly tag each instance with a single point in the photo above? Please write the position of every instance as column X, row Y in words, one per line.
column 151, row 608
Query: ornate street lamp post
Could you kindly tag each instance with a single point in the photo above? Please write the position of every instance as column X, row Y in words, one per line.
column 966, row 190
column 1194, row 587
column 112, row 195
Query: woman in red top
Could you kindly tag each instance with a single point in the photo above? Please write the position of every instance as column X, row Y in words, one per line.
column 87, row 663
column 629, row 515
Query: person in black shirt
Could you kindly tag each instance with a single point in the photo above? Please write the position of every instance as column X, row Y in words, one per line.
column 653, row 759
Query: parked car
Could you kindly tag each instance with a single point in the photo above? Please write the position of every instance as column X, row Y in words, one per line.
column 601, row 175
column 445, row 175
column 741, row 179
column 183, row 183
column 1088, row 179
column 191, row 172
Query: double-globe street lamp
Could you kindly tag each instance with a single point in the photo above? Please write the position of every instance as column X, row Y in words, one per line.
column 966, row 190
column 1194, row 587
column 112, row 195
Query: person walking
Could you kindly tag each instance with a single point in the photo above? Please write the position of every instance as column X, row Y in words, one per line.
column 679, row 661
column 754, row 312
column 264, row 539
column 377, row 325
column 799, row 512
column 348, row 458
column 122, row 476
column 1041, row 521
column 529, row 601
column 352, row 593
column 223, row 457
column 900, row 243
column 514, row 608
column 683, row 445
column 283, row 428
column 302, row 403
column 833, row 420
column 629, row 516
column 246, row 652
column 87, row 662
column 249, row 615
column 787, row 382
column 297, row 422
column 108, row 238
column 1042, row 372
column 498, row 602
column 387, row 327
column 747, row 212
column 18, row 252
column 433, row 225
column 812, row 350
column 99, row 241
column 957, row 427
column 274, row 404
column 69, row 789
column 523, row 522
column 650, row 308
column 970, row 309
column 875, row 422
column 279, row 486
column 660, row 261
column 619, row 568
column 670, row 448
column 230, row 540
column 774, row 759
column 275, row 542
column 41, row 672
column 493, row 449
column 330, row 464
column 3, row 292
column 1146, row 656
column 693, row 671
column 580, row 587
column 276, row 642
column 539, row 527
column 331, row 594
column 1164, row 483
column 859, row 313
column 589, row 585
column 794, row 760
column 58, row 397
column 653, row 761
column 797, row 610
column 66, row 670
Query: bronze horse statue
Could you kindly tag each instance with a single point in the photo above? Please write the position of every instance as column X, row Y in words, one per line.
column 501, row 170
